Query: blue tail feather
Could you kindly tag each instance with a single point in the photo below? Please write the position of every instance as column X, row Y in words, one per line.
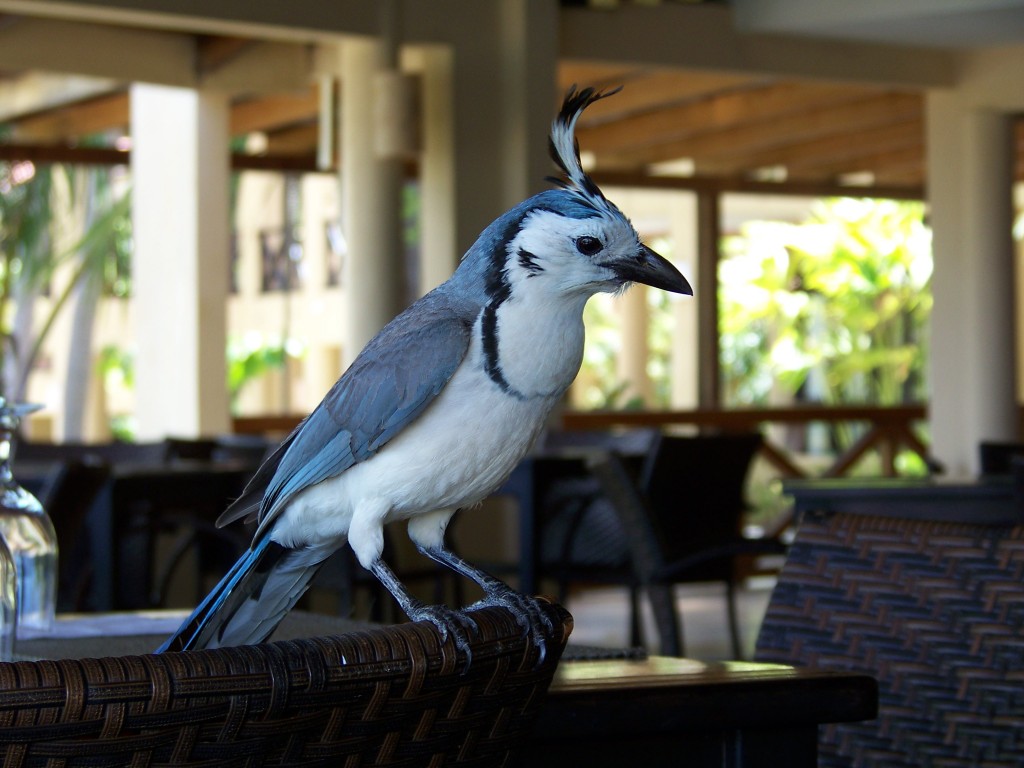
column 251, row 600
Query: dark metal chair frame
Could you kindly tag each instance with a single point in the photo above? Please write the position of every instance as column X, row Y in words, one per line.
column 682, row 519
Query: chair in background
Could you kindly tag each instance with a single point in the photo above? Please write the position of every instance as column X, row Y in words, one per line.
column 246, row 449
column 162, row 528
column 67, row 498
column 934, row 610
column 582, row 539
column 151, row 511
column 995, row 458
column 396, row 696
column 243, row 449
column 114, row 452
column 682, row 520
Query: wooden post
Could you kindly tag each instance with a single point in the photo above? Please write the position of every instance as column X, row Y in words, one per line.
column 706, row 293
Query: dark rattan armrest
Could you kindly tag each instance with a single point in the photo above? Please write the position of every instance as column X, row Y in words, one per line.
column 395, row 696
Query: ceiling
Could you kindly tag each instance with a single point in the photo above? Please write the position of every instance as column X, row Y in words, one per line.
column 671, row 122
column 703, row 124
column 746, row 128
column 928, row 23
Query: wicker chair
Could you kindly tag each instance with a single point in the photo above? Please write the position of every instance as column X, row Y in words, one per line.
column 394, row 696
column 934, row 610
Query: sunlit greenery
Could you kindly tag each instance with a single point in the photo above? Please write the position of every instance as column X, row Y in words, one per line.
column 832, row 310
column 25, row 243
column 601, row 387
column 34, row 201
column 251, row 355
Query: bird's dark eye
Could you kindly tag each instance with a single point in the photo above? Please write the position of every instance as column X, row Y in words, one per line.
column 588, row 246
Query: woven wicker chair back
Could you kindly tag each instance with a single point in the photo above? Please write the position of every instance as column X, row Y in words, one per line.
column 934, row 610
column 395, row 696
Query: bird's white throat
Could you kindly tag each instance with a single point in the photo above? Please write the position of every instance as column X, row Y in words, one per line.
column 540, row 342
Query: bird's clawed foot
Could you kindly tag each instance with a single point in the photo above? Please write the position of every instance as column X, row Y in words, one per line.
column 529, row 611
column 450, row 623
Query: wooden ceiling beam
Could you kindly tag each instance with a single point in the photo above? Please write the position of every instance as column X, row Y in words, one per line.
column 32, row 92
column 596, row 74
column 719, row 112
column 216, row 51
column 854, row 147
column 56, row 153
column 906, row 175
column 895, row 159
column 71, row 122
column 294, row 139
column 646, row 91
column 789, row 187
column 61, row 153
column 851, row 116
column 267, row 113
column 810, row 152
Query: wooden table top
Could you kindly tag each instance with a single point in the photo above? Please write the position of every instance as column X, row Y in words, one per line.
column 684, row 693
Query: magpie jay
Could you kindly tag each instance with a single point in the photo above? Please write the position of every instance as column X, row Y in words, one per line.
column 436, row 410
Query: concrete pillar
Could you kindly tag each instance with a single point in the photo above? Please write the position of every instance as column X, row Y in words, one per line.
column 439, row 251
column 258, row 206
column 96, row 427
column 631, row 362
column 180, row 170
column 683, row 358
column 970, row 177
column 487, row 109
column 528, row 35
column 371, row 192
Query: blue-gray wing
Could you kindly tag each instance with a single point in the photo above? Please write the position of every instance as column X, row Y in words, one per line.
column 396, row 376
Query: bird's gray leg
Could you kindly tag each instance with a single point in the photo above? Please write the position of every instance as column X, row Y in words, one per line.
column 448, row 621
column 526, row 608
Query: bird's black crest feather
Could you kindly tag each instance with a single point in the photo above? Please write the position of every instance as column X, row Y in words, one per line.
column 562, row 144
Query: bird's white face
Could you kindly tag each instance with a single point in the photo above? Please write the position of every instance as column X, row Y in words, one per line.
column 563, row 255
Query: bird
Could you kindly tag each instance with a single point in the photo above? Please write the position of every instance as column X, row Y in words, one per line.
column 436, row 410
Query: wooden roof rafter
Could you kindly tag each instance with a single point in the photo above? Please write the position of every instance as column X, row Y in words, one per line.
column 719, row 111
column 727, row 124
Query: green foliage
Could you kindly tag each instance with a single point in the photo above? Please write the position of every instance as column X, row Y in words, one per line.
column 117, row 369
column 28, row 260
column 25, row 269
column 835, row 309
column 24, row 221
column 251, row 356
column 603, row 389
column 116, row 363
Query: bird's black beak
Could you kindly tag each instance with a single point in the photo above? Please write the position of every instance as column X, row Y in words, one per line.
column 651, row 269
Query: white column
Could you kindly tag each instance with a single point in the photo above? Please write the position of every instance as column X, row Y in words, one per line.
column 970, row 177
column 439, row 252
column 371, row 192
column 180, row 169
column 683, row 356
column 631, row 361
column 528, row 33
column 488, row 105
